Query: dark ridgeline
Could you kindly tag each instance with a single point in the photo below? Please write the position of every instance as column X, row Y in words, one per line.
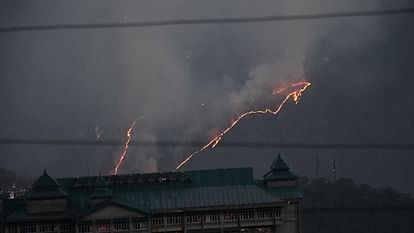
column 344, row 207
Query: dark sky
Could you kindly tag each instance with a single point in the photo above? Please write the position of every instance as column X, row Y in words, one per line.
column 189, row 81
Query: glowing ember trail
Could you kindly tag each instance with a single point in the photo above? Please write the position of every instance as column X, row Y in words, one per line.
column 124, row 152
column 295, row 94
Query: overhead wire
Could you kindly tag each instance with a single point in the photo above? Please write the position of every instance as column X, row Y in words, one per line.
column 233, row 20
column 290, row 145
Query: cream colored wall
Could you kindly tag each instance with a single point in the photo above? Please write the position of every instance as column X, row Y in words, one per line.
column 290, row 218
column 287, row 227
column 281, row 183
column 42, row 206
column 112, row 211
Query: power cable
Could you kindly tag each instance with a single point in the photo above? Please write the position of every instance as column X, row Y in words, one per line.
column 290, row 145
column 177, row 22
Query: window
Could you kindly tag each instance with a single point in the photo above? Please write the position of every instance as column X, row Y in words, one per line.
column 141, row 180
column 85, row 228
column 131, row 181
column 121, row 226
column 151, row 179
column 158, row 221
column 77, row 184
column 48, row 227
column 162, row 179
column 66, row 226
column 12, row 228
column 246, row 215
column 139, row 226
column 46, row 206
column 103, row 227
column 193, row 219
column 264, row 214
column 28, row 228
column 110, row 182
column 173, row 220
column 229, row 216
column 211, row 218
column 278, row 213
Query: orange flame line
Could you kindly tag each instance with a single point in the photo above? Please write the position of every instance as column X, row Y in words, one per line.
column 295, row 96
column 280, row 90
column 124, row 152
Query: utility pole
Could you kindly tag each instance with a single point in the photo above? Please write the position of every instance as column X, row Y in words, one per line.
column 334, row 169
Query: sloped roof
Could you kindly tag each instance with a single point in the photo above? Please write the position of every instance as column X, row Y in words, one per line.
column 190, row 189
column 198, row 197
column 46, row 187
column 45, row 181
column 156, row 192
column 279, row 164
column 279, row 171
column 101, row 190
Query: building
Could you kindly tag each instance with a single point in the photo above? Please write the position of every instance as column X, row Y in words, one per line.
column 220, row 200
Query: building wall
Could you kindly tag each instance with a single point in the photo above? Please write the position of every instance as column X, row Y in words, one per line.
column 46, row 206
column 109, row 212
column 264, row 220
column 281, row 183
column 291, row 219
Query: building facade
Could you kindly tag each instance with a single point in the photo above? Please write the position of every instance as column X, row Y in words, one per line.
column 220, row 200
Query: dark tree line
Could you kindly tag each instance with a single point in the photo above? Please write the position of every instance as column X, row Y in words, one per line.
column 344, row 206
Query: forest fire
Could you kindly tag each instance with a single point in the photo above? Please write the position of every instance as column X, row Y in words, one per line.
column 295, row 94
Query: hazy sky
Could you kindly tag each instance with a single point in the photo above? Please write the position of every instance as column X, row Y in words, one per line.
column 188, row 81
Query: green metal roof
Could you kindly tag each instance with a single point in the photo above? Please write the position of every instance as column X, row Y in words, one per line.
column 171, row 190
column 197, row 197
column 100, row 189
column 279, row 165
column 279, row 171
column 154, row 192
column 45, row 181
column 46, row 187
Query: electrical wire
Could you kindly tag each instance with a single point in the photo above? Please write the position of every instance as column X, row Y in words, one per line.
column 234, row 20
